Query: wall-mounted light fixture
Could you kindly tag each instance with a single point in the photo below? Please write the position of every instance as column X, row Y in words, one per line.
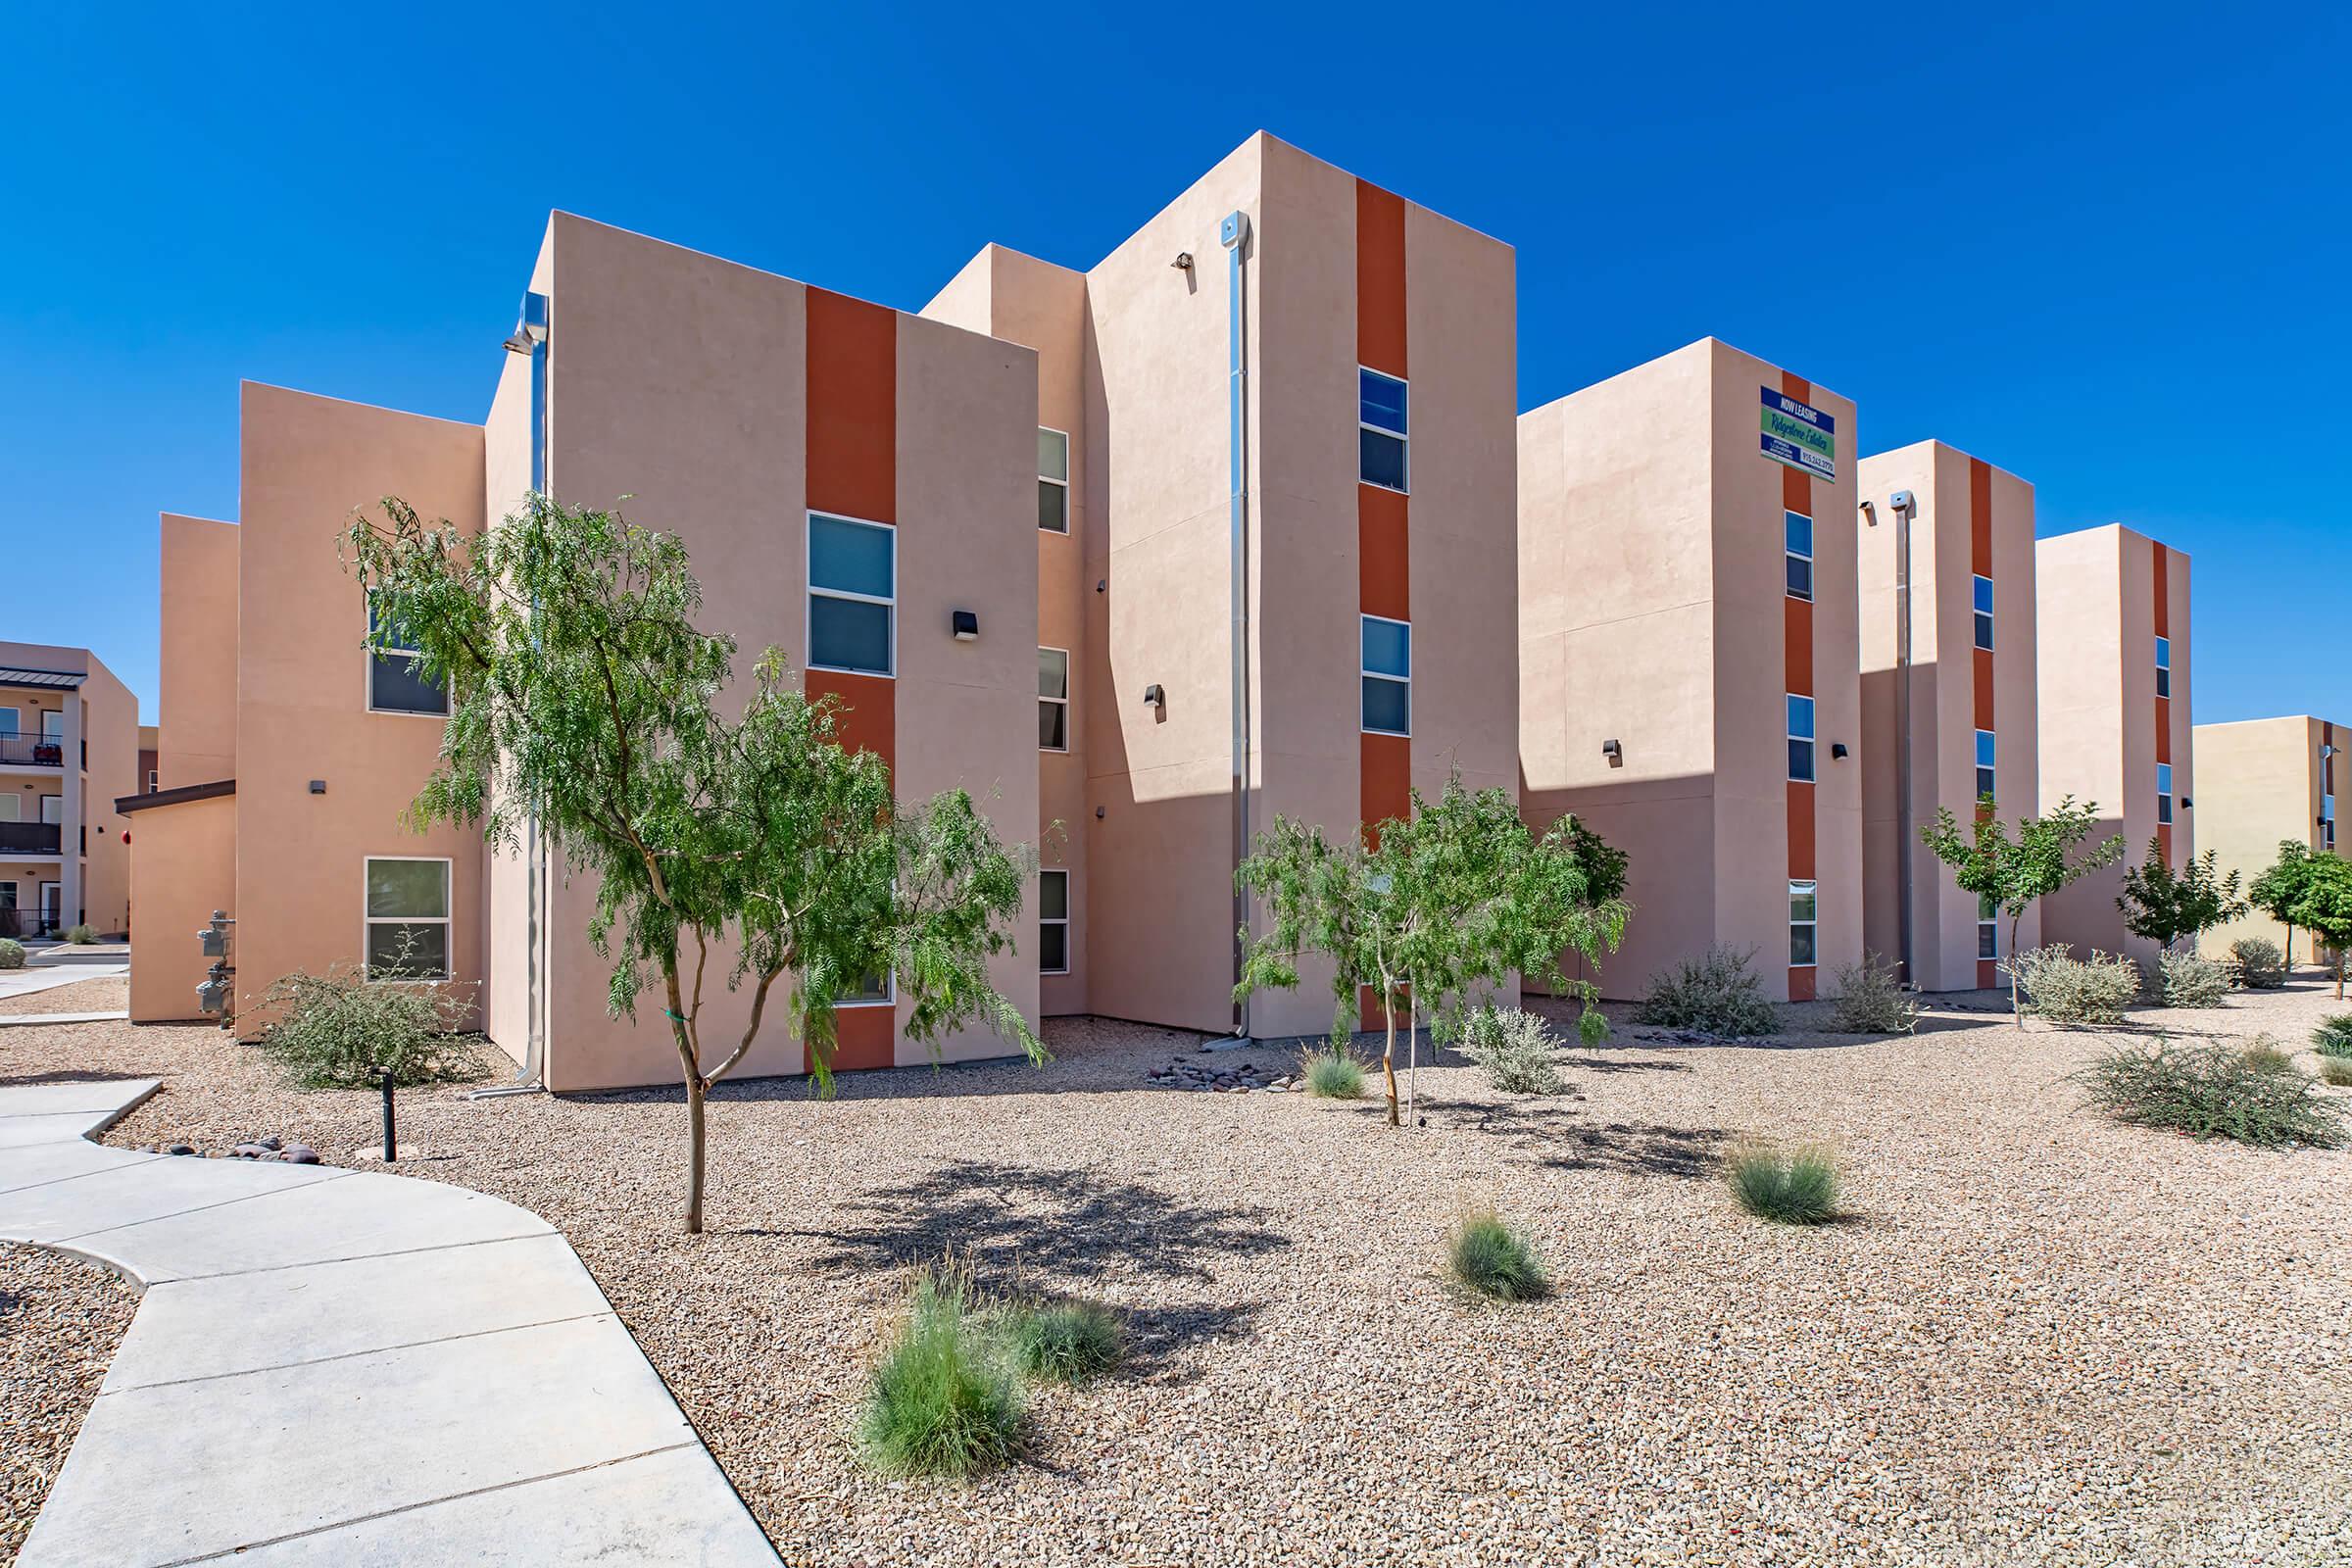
column 1837, row 751
column 1102, row 583
column 1614, row 753
column 966, row 624
column 1183, row 262
column 1870, row 513
column 1156, row 697
column 318, row 786
column 1097, row 813
column 2186, row 803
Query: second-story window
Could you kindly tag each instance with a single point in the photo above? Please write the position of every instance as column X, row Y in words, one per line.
column 2164, row 667
column 1381, row 431
column 1987, row 750
column 1801, row 556
column 1053, row 700
column 1388, row 673
column 396, row 678
column 1800, row 738
column 853, row 595
column 1982, row 588
column 2163, row 792
column 2327, row 822
column 1988, row 931
column 1052, row 481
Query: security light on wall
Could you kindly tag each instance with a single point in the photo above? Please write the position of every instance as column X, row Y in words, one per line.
column 1837, row 751
column 966, row 624
column 1183, row 262
column 1870, row 514
column 1156, row 697
column 1614, row 753
column 2186, row 803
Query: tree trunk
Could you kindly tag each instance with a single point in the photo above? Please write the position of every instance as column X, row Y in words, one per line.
column 2291, row 953
column 2342, row 955
column 1412, row 1049
column 2017, row 1005
column 696, row 1090
column 1388, row 1051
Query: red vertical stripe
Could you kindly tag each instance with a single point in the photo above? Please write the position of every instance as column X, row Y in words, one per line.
column 1796, row 676
column 1981, row 664
column 1379, row 281
column 1383, row 517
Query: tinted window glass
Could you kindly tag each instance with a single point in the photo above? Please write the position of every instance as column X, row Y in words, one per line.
column 853, row 558
column 849, row 634
column 1388, row 705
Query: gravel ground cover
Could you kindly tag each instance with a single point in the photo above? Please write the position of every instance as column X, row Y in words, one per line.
column 2034, row 1337
column 111, row 993
column 61, row 1319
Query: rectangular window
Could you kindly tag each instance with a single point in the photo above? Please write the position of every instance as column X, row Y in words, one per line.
column 853, row 595
column 396, row 678
column 1988, row 931
column 8, row 726
column 1388, row 672
column 1380, row 429
column 874, row 991
column 1804, row 913
column 1985, row 751
column 2164, row 667
column 1053, row 700
column 408, row 919
column 1800, row 738
column 52, row 810
column 1052, row 481
column 1982, row 588
column 2327, row 822
column 52, row 723
column 1801, row 556
column 1054, row 922
column 2163, row 792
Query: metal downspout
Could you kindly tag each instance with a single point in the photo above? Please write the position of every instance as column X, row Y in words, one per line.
column 1902, row 504
column 1234, row 235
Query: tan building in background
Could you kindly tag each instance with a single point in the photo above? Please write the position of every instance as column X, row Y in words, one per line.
column 1947, row 636
column 2112, row 659
column 2260, row 782
column 1688, row 664
column 69, row 746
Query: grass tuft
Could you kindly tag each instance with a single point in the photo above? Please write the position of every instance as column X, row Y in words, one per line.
column 2336, row 1072
column 2253, row 1095
column 944, row 1400
column 1798, row 1187
column 1063, row 1341
column 1332, row 1074
column 2333, row 1035
column 1487, row 1255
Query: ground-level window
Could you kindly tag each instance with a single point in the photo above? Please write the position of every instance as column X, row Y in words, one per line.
column 853, row 595
column 408, row 918
column 1801, row 556
column 1982, row 588
column 1381, row 431
column 1800, row 738
column 1388, row 675
column 874, row 991
column 1052, row 481
column 1053, row 700
column 2163, row 792
column 1803, row 920
column 1054, row 922
column 1988, row 931
column 396, row 679
column 2164, row 667
column 1987, row 748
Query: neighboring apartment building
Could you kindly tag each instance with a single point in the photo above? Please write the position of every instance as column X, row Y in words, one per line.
column 2262, row 781
column 1273, row 556
column 1946, row 551
column 2112, row 660
column 1689, row 666
column 69, row 743
column 146, row 773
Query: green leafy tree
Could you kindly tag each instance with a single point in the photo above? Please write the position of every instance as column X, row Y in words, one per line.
column 756, row 844
column 1453, row 900
column 2165, row 905
column 2326, row 910
column 2277, row 891
column 2016, row 873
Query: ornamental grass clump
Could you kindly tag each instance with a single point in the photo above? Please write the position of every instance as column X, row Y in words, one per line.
column 2252, row 1096
column 1487, row 1255
column 341, row 1031
column 1798, row 1186
column 2261, row 966
column 1717, row 995
column 2336, row 1072
column 944, row 1400
column 81, row 936
column 2333, row 1035
column 2065, row 989
column 1332, row 1074
column 1871, row 1000
column 1063, row 1341
column 1515, row 1049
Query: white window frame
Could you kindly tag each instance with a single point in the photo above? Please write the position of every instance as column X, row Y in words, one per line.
column 1062, row 702
column 1987, row 923
column 448, row 921
column 2164, row 794
column 151, row 781
column 10, row 721
column 1985, row 736
column 1063, row 923
column 890, row 981
column 1402, row 437
column 58, row 820
column 372, row 655
column 53, row 716
column 812, row 591
column 2328, row 822
column 1363, row 674
column 1805, row 556
column 1813, row 712
column 1992, row 632
column 1811, row 885
column 2164, row 668
column 1046, row 479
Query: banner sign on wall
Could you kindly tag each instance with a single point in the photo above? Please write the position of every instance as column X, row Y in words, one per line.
column 1799, row 435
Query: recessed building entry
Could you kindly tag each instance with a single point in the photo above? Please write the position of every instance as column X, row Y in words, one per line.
column 53, row 907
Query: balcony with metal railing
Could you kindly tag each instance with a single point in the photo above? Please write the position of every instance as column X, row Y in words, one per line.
column 31, row 751
column 31, row 838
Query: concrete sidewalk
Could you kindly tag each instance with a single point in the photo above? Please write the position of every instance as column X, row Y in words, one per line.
column 337, row 1368
column 29, row 980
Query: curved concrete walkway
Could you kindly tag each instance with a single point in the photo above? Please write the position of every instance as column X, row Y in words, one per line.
column 337, row 1368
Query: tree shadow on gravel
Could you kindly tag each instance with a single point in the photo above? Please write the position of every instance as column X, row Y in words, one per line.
column 1561, row 1139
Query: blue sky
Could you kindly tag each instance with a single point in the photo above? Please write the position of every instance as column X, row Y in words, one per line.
column 2110, row 249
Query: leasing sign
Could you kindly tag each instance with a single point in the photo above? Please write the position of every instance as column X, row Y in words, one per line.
column 1799, row 435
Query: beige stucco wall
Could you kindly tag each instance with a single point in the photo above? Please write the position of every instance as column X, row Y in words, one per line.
column 308, row 462
column 2259, row 783
column 99, row 733
column 505, row 906
column 183, row 867
column 197, row 667
column 110, row 722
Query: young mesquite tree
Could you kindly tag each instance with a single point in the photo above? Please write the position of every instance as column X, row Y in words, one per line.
column 1456, row 899
column 2164, row 905
column 2277, row 891
column 2326, row 910
column 2014, row 874
column 579, row 680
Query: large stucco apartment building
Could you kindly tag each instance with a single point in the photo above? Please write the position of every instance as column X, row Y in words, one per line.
column 69, row 746
column 2262, row 782
column 1248, row 524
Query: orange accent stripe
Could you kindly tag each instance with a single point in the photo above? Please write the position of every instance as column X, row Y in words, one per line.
column 1380, row 279
column 1372, row 1017
column 1383, row 572
column 2164, row 596
column 2164, row 729
column 1797, row 664
column 1796, row 491
column 853, row 407
column 1796, row 386
column 1800, row 984
column 2164, row 842
column 864, row 1037
column 867, row 719
column 1980, row 516
column 1801, row 852
column 1385, row 765
column 1988, row 973
column 1796, row 643
column 1982, row 678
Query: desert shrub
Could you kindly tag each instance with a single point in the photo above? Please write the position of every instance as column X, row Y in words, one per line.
column 1796, row 1188
column 1067, row 1341
column 2261, row 966
column 2335, row 1071
column 2252, row 1096
column 1487, row 1255
column 2333, row 1035
column 2263, row 1052
column 1871, row 1000
column 1514, row 1048
column 2065, row 989
column 1333, row 1073
column 338, row 1031
column 1718, row 993
column 2185, row 980
column 81, row 936
column 944, row 1401
column 12, row 954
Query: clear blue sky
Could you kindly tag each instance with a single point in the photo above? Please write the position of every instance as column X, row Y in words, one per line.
column 2109, row 250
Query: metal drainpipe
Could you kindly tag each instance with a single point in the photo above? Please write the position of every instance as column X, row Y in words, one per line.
column 1233, row 234
column 1902, row 504
column 531, row 332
